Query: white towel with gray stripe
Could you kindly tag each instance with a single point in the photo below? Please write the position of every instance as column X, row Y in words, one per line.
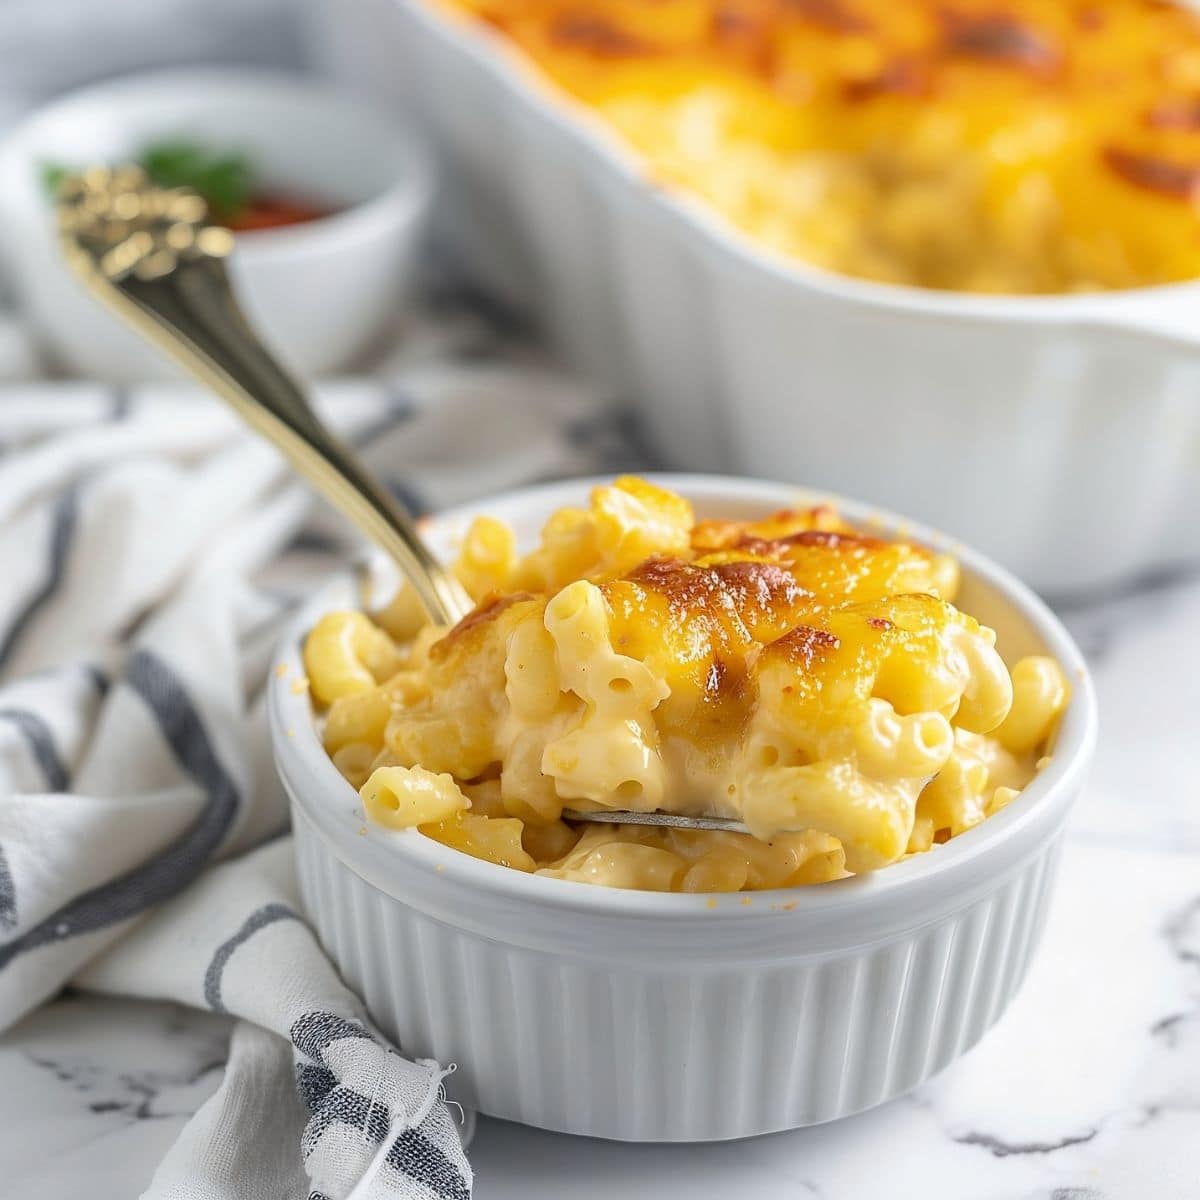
column 149, row 549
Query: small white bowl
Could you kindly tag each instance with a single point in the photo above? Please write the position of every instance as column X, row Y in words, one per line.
column 320, row 292
column 656, row 1017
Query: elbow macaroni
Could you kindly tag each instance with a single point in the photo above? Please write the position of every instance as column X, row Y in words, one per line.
column 815, row 683
column 401, row 797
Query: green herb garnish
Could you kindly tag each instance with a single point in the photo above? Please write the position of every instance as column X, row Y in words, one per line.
column 225, row 180
column 52, row 176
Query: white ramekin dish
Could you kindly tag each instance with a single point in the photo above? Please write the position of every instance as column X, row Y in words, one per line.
column 656, row 1017
column 1061, row 435
column 321, row 292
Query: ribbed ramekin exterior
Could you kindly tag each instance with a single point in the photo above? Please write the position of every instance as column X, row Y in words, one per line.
column 676, row 1051
column 1067, row 448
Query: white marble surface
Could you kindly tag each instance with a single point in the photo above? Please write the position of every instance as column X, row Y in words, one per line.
column 1088, row 1089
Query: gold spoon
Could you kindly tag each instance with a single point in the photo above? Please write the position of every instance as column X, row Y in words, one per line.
column 151, row 255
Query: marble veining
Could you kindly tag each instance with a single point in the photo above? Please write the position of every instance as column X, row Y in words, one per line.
column 1087, row 1089
column 146, row 1088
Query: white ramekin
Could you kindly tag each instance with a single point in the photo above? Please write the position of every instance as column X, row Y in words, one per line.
column 321, row 292
column 651, row 1017
column 1061, row 435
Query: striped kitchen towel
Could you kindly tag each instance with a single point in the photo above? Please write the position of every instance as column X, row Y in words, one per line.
column 149, row 549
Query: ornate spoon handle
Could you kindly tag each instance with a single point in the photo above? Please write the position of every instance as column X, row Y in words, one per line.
column 149, row 254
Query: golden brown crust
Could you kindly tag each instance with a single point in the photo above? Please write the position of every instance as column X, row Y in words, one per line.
column 913, row 53
column 832, row 539
column 591, row 32
column 749, row 590
column 1113, row 87
column 797, row 591
column 706, row 622
column 1178, row 180
column 1000, row 38
column 1182, row 113
column 828, row 14
column 485, row 612
column 804, row 645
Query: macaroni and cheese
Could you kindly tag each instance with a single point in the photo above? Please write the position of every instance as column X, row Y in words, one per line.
column 809, row 680
column 975, row 145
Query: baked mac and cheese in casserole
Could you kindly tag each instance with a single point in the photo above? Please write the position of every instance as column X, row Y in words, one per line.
column 1017, row 146
column 814, row 682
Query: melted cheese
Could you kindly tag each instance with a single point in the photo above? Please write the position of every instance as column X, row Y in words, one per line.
column 790, row 672
column 976, row 145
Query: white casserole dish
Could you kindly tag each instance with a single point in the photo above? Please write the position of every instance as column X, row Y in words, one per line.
column 655, row 1017
column 1061, row 435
